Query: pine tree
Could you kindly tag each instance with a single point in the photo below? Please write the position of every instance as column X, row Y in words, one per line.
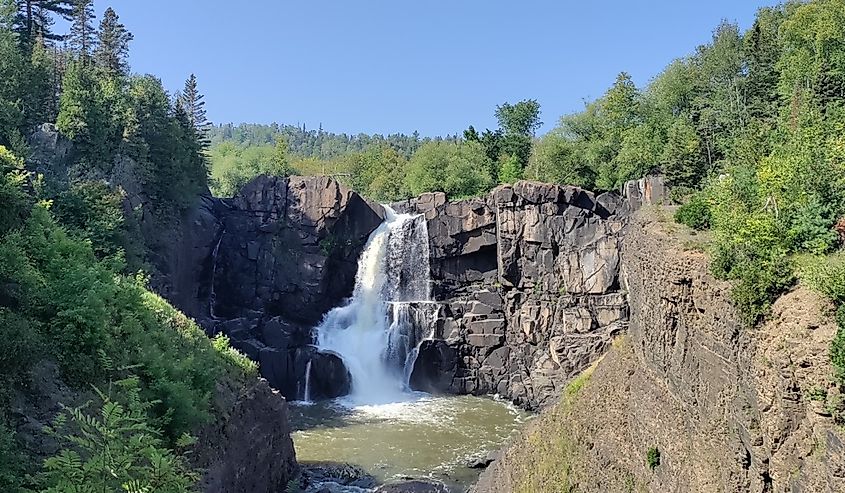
column 35, row 18
column 81, row 38
column 192, row 104
column 113, row 45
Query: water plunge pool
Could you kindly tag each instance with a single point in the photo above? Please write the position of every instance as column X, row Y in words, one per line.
column 429, row 437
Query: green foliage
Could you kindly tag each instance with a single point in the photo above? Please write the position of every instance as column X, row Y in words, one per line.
column 460, row 170
column 15, row 201
column 12, row 462
column 93, row 210
column 79, row 307
column 510, row 171
column 84, row 116
column 682, row 156
column 652, row 458
column 695, row 213
column 826, row 275
column 115, row 449
column 235, row 167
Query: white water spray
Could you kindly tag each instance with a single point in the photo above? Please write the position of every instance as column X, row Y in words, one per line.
column 212, row 296
column 378, row 331
column 307, row 394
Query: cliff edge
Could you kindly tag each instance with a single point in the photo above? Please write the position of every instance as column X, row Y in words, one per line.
column 690, row 399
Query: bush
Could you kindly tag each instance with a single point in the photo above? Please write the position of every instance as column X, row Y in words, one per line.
column 825, row 275
column 59, row 292
column 695, row 213
column 115, row 449
column 653, row 458
column 12, row 462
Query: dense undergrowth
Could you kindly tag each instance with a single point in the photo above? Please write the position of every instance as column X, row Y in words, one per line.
column 61, row 303
column 73, row 296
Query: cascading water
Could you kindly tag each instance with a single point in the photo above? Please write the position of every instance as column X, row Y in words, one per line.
column 212, row 295
column 307, row 394
column 378, row 331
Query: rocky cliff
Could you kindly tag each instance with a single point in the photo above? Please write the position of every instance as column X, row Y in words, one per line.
column 726, row 407
column 528, row 277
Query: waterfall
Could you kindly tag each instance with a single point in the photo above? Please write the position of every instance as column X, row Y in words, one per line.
column 307, row 395
column 212, row 295
column 378, row 331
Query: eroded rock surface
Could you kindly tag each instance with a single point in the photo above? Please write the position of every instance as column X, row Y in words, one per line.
column 730, row 408
column 528, row 277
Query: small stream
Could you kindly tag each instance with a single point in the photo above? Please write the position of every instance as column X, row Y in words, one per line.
column 422, row 437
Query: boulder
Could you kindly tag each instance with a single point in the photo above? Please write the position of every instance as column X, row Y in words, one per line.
column 329, row 377
column 251, row 448
column 435, row 367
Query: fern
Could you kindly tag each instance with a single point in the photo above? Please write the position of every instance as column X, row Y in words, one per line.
column 114, row 449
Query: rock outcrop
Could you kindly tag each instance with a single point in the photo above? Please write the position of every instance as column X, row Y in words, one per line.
column 528, row 277
column 249, row 448
column 729, row 408
column 290, row 247
column 286, row 253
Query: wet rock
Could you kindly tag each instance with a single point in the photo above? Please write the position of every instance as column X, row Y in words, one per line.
column 435, row 367
column 483, row 461
column 415, row 486
column 331, row 476
column 329, row 376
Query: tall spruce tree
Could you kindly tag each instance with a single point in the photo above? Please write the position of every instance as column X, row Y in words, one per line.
column 190, row 100
column 81, row 38
column 112, row 45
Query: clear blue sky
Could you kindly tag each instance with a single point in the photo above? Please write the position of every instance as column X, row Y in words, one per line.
column 397, row 66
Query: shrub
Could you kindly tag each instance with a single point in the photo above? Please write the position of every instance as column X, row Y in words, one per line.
column 825, row 275
column 12, row 462
column 115, row 449
column 653, row 458
column 695, row 213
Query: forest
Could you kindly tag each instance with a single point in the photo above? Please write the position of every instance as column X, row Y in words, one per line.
column 748, row 130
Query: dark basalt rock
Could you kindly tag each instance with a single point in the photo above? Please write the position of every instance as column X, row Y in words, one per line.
column 329, row 376
column 289, row 247
column 529, row 275
column 435, row 367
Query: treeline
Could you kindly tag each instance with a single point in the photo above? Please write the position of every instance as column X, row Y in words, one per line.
column 384, row 168
column 71, row 295
column 315, row 143
column 84, row 86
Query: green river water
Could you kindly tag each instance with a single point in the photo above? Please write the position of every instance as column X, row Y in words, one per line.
column 423, row 437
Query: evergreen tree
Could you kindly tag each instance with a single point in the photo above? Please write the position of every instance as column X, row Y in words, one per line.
column 191, row 102
column 40, row 105
column 35, row 17
column 83, row 115
column 82, row 35
column 112, row 45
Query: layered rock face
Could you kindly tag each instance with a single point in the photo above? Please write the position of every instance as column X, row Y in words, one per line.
column 729, row 408
column 528, row 277
column 286, row 253
column 290, row 247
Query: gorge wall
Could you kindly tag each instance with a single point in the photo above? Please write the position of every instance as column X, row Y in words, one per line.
column 527, row 279
column 729, row 408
